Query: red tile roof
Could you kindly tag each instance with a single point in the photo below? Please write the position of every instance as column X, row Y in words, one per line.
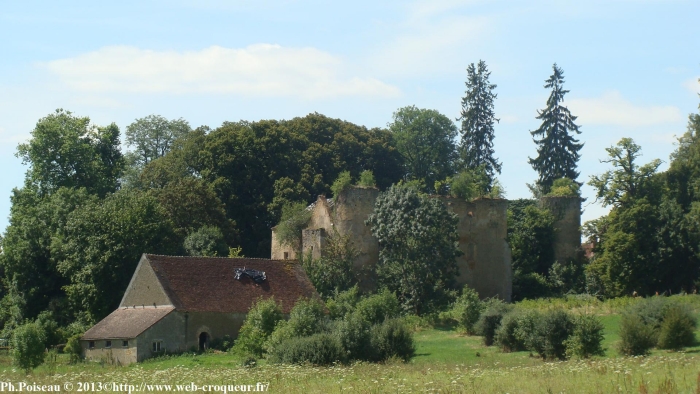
column 127, row 322
column 208, row 284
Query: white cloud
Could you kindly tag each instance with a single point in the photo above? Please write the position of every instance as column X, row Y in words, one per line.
column 613, row 109
column 261, row 70
column 693, row 85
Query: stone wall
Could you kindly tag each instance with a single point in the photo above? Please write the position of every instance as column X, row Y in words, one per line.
column 144, row 288
column 485, row 264
column 567, row 224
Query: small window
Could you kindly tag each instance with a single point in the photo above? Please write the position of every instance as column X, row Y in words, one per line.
column 108, row 344
column 125, row 343
column 91, row 344
column 158, row 346
column 286, row 255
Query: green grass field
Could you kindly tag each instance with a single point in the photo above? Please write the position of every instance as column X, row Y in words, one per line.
column 445, row 362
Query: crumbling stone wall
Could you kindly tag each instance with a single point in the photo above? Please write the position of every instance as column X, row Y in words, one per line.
column 567, row 224
column 485, row 264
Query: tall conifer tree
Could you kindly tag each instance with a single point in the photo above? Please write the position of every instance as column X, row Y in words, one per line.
column 476, row 147
column 557, row 151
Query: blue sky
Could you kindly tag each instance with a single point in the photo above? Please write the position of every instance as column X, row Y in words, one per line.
column 631, row 65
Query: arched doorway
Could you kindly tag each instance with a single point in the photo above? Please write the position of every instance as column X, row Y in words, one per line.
column 203, row 341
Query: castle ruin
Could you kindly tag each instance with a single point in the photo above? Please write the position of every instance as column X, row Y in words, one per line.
column 485, row 264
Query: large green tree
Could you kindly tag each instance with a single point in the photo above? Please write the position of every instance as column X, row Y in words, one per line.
column 425, row 139
column 68, row 151
column 100, row 245
column 417, row 247
column 152, row 137
column 478, row 117
column 557, row 149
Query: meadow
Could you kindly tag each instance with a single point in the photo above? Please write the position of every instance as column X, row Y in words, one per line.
column 445, row 362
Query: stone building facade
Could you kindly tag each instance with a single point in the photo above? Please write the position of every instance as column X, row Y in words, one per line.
column 175, row 304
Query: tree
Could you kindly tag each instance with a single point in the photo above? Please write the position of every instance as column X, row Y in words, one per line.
column 333, row 271
column 99, row 247
column 557, row 151
column 425, row 139
column 153, row 136
column 628, row 182
column 477, row 116
column 417, row 247
column 206, row 241
column 28, row 348
column 67, row 151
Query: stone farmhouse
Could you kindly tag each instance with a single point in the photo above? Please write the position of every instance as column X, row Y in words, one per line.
column 175, row 304
column 485, row 264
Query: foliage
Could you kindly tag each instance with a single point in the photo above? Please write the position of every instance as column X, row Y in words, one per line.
column 28, row 346
column 235, row 253
column 317, row 349
column 417, row 248
column 153, row 136
column 636, row 337
column 74, row 349
column 259, row 324
column 67, row 151
column 550, row 334
column 101, row 244
column 557, row 150
column 333, row 271
column 341, row 183
column 354, row 335
column 678, row 328
column 490, row 319
column 531, row 238
column 465, row 311
column 470, row 184
column 294, row 219
column 366, row 179
column 376, row 308
column 628, row 182
column 425, row 139
column 306, row 318
column 206, row 241
column 509, row 335
column 342, row 303
column 392, row 338
column 587, row 337
column 477, row 116
column 565, row 187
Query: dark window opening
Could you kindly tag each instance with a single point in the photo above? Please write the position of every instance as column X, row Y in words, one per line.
column 91, row 344
column 125, row 343
column 158, row 346
column 108, row 344
column 286, row 255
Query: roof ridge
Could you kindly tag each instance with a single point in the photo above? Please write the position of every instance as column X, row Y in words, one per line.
column 219, row 257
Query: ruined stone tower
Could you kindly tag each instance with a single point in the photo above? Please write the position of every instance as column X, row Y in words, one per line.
column 567, row 225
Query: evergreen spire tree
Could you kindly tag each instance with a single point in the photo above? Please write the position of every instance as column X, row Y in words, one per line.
column 557, row 151
column 476, row 147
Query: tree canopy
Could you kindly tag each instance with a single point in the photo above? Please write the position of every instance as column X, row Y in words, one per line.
column 478, row 117
column 557, row 150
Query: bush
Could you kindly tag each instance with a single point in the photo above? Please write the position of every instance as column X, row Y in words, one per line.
column 553, row 330
column 73, row 349
column 305, row 319
column 678, row 328
column 206, row 241
column 342, row 183
column 52, row 334
column 353, row 332
column 294, row 219
column 508, row 335
column 317, row 349
column 367, row 179
column 259, row 324
column 390, row 339
column 376, row 308
column 636, row 337
column 28, row 346
column 587, row 337
column 651, row 311
column 343, row 303
column 490, row 319
column 465, row 311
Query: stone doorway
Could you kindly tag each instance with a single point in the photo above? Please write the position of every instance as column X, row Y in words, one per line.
column 204, row 341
